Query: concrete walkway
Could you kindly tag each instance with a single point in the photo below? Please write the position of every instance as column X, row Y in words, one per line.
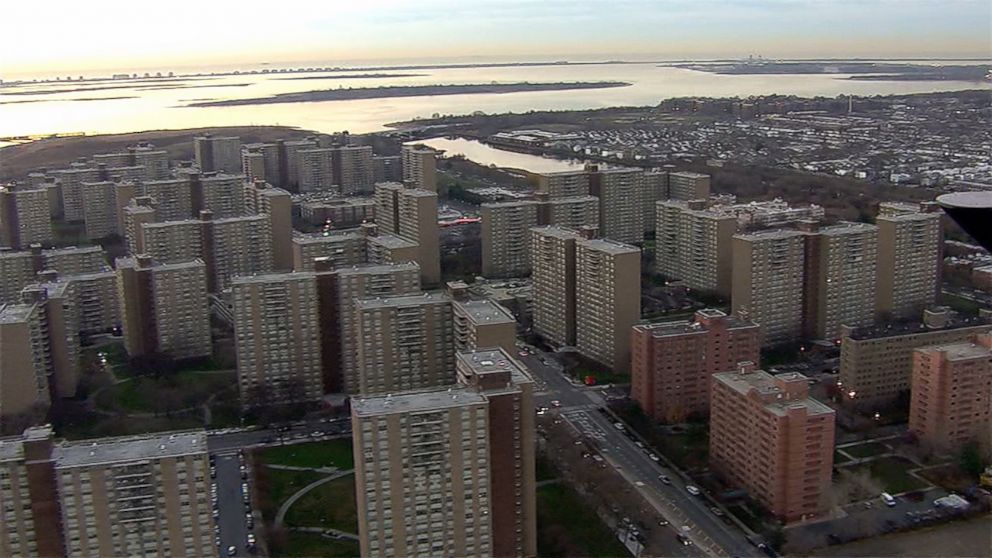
column 302, row 492
column 322, row 470
column 325, row 532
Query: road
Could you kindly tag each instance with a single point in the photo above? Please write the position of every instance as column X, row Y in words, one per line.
column 233, row 528
column 579, row 406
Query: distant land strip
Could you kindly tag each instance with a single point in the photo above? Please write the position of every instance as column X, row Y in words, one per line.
column 409, row 91
column 355, row 76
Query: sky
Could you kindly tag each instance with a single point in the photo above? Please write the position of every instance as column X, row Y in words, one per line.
column 43, row 37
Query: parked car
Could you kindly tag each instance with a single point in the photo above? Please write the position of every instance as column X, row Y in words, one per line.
column 692, row 490
column 888, row 499
column 717, row 511
column 664, row 479
column 232, row 550
column 683, row 539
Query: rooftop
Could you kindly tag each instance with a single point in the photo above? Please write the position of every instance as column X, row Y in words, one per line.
column 327, row 238
column 847, row 228
column 392, row 241
column 403, row 300
column 272, row 277
column 14, row 313
column 610, row 246
column 768, row 387
column 773, row 234
column 977, row 200
column 557, row 232
column 485, row 311
column 370, row 269
column 432, row 400
column 130, row 448
column 682, row 327
column 961, row 351
column 913, row 327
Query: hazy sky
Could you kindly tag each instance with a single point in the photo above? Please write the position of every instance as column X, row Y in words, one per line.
column 77, row 36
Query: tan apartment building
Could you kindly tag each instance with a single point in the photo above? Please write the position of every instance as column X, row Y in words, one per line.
column 136, row 213
column 316, row 171
column 655, row 190
column 354, row 170
column 840, row 278
column 411, row 213
column 17, row 270
column 237, row 246
column 553, row 281
column 103, row 203
column 222, row 194
column 876, row 363
column 908, row 267
column 59, row 328
column 607, row 300
column 695, row 245
column 770, row 438
column 25, row 216
column 570, row 212
column 620, row 192
column 482, row 324
column 505, row 234
column 687, row 186
column 277, row 333
column 388, row 248
column 338, row 213
column 71, row 181
column 142, row 495
column 73, row 260
column 171, row 241
column 32, row 522
column 406, row 342
column 97, row 304
column 420, row 167
column 218, row 153
column 565, row 184
column 173, row 197
column 768, row 283
column 277, row 204
column 951, row 394
column 672, row 363
column 164, row 307
column 339, row 293
column 25, row 360
column 387, row 168
column 341, row 248
column 449, row 471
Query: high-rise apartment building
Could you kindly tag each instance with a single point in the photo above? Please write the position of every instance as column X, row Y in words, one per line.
column 420, row 167
column 481, row 324
column 339, row 293
column 695, row 245
column 341, row 248
column 103, row 203
column 688, row 186
column 170, row 241
column 218, row 153
column 840, row 278
column 290, row 161
column 411, row 213
column 17, row 270
column 770, row 438
column 59, row 327
column 951, row 395
column 316, row 170
column 277, row 331
column 96, row 300
column 276, row 203
column 71, row 180
column 32, row 520
column 222, row 194
column 620, row 192
column 25, row 216
column 388, row 248
column 25, row 360
column 768, row 282
column 571, row 212
column 337, row 213
column 449, row 471
column 909, row 259
column 354, row 169
column 505, row 237
column 262, row 161
column 655, row 190
column 239, row 246
column 138, row 211
column 173, row 197
column 164, row 307
column 876, row 363
column 406, row 342
column 552, row 255
column 564, row 184
column 607, row 300
column 71, row 260
column 387, row 168
column 672, row 363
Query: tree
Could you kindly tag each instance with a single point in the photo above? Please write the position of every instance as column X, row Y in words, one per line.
column 156, row 365
column 970, row 459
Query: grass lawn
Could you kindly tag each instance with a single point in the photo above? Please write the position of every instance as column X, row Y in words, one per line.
column 840, row 458
column 179, row 391
column 866, row 450
column 566, row 527
column 279, row 484
column 960, row 304
column 333, row 453
column 891, row 473
column 330, row 505
column 99, row 426
column 543, row 470
column 311, row 545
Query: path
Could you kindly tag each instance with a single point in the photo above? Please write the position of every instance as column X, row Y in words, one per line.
column 302, row 492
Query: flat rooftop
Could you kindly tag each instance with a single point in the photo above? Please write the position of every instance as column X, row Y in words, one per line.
column 765, row 385
column 374, row 269
column 321, row 238
column 273, row 277
column 485, row 312
column 610, row 246
column 557, row 232
column 494, row 361
column 521, row 203
column 961, row 351
column 14, row 313
column 573, row 199
column 774, row 234
column 129, row 448
column 402, row 300
column 847, row 228
column 688, row 174
column 435, row 399
column 392, row 241
column 914, row 327
column 684, row 327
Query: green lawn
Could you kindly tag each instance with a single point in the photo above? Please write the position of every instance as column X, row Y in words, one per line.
column 866, row 450
column 543, row 470
column 566, row 527
column 891, row 473
column 333, row 453
column 170, row 393
column 330, row 505
column 960, row 304
column 311, row 545
column 276, row 485
column 840, row 458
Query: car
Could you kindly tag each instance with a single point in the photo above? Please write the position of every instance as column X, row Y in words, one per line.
column 249, row 522
column 618, row 425
column 213, row 472
column 683, row 539
column 664, row 479
column 664, row 522
column 522, row 353
column 216, row 513
column 542, row 410
column 888, row 499
column 232, row 550
column 639, row 444
column 555, row 403
column 244, row 475
column 692, row 490
column 638, row 483
column 717, row 511
column 316, row 433
column 654, row 457
column 250, row 541
column 217, row 540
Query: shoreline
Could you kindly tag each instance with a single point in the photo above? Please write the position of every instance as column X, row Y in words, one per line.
column 408, row 91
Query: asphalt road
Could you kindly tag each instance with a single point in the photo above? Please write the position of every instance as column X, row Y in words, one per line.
column 579, row 406
column 233, row 529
